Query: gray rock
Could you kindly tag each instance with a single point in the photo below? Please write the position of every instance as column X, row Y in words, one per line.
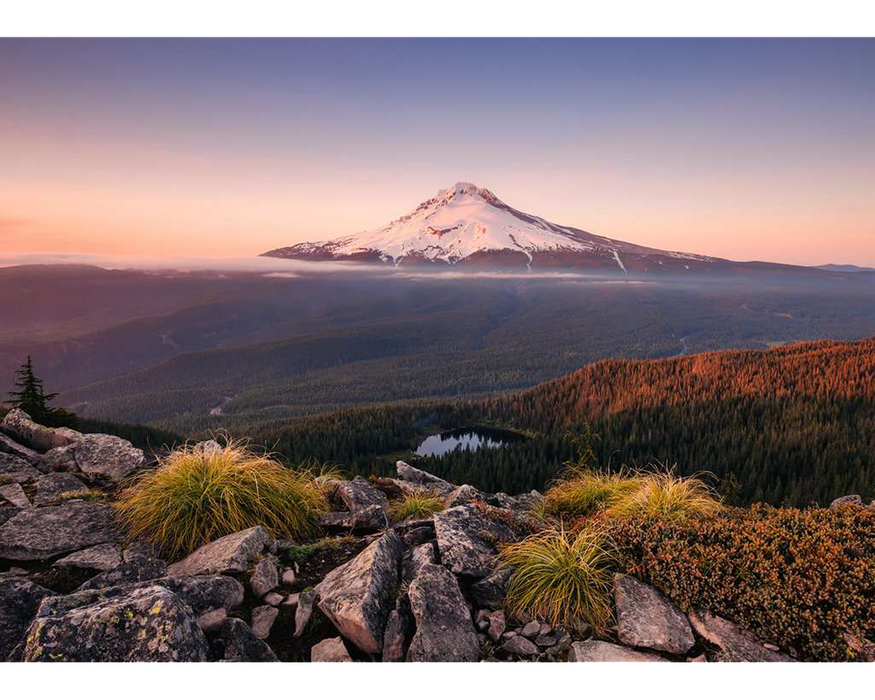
column 520, row 646
column 330, row 650
column 147, row 624
column 444, row 631
column 490, row 592
column 233, row 553
column 531, row 629
column 49, row 487
column 467, row 540
column 399, row 630
column 304, row 611
column 10, row 447
column 211, row 621
column 852, row 500
column 17, row 469
column 41, row 533
column 646, row 618
column 593, row 650
column 735, row 643
column 416, row 536
column 109, row 456
column 358, row 494
column 546, row 640
column 414, row 558
column 60, row 459
column 263, row 618
column 359, row 595
column 19, row 600
column 18, row 425
column 274, row 598
column 139, row 549
column 265, row 577
column 242, row 645
column 497, row 625
column 102, row 557
column 464, row 494
column 288, row 577
column 133, row 570
column 7, row 512
column 292, row 600
column 14, row 495
column 417, row 476
column 204, row 593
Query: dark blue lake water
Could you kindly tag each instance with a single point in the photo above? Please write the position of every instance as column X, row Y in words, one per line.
column 465, row 439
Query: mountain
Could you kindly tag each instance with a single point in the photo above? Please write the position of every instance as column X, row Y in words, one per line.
column 845, row 268
column 469, row 226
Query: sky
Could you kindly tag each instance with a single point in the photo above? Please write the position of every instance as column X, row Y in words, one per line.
column 746, row 149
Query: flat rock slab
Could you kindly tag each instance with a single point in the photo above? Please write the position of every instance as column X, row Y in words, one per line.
column 735, row 643
column 11, row 447
column 147, row 624
column 467, row 540
column 19, row 601
column 17, row 469
column 233, row 553
column 109, row 456
column 358, row 494
column 444, row 630
column 359, row 595
column 101, row 557
column 18, row 425
column 646, row 618
column 14, row 495
column 50, row 487
column 413, row 475
column 593, row 650
column 41, row 533
column 330, row 650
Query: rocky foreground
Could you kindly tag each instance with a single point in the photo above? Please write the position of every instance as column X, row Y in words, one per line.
column 73, row 589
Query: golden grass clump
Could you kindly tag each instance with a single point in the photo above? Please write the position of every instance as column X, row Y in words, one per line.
column 197, row 496
column 666, row 496
column 562, row 577
column 412, row 506
column 587, row 492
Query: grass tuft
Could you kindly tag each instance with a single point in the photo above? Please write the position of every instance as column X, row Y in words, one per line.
column 562, row 577
column 666, row 496
column 87, row 495
column 587, row 492
column 193, row 498
column 415, row 505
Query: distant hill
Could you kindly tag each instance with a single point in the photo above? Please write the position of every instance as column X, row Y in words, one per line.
column 845, row 268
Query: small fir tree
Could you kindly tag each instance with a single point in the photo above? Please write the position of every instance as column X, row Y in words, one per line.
column 31, row 398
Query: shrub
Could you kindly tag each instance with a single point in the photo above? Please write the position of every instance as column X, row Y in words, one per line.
column 586, row 492
column 195, row 497
column 420, row 504
column 797, row 578
column 663, row 495
column 562, row 577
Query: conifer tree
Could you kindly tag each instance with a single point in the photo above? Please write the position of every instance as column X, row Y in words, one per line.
column 31, row 398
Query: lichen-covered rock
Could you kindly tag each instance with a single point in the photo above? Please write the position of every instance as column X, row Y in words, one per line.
column 133, row 570
column 413, row 560
column 242, row 645
column 265, row 577
column 358, row 494
column 444, row 630
column 399, row 629
column 101, row 557
column 263, row 618
column 491, row 591
column 464, row 494
column 40, row 533
column 593, row 650
column 19, row 600
column 60, row 459
column 734, row 642
column 330, row 650
column 646, row 618
column 109, row 456
column 422, row 478
column 232, row 553
column 11, row 447
column 49, row 487
column 17, row 469
column 303, row 611
column 211, row 621
column 18, row 425
column 146, row 624
column 852, row 500
column 467, row 539
column 14, row 495
column 359, row 595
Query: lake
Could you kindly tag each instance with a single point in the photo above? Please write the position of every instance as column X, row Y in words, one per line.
column 465, row 439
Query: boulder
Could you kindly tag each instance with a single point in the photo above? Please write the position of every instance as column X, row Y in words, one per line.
column 288, row 578
column 531, row 629
column 852, row 500
column 359, row 595
column 735, row 643
column 8, row 511
column 49, row 487
column 109, row 456
column 19, row 601
column 14, row 495
column 330, row 650
column 233, row 553
column 263, row 618
column 416, row 476
column 415, row 536
column 133, row 570
column 242, row 645
column 464, row 494
column 303, row 611
column 444, row 631
column 102, row 557
column 594, row 650
column 203, row 593
column 399, row 629
column 519, row 646
column 646, row 618
column 414, row 558
column 18, row 425
column 358, row 494
column 490, row 592
column 467, row 539
column 10, row 447
column 146, row 624
column 211, row 621
column 41, row 533
column 60, row 459
column 265, row 577
column 17, row 469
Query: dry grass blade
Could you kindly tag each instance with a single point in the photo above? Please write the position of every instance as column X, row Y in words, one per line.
column 415, row 505
column 666, row 496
